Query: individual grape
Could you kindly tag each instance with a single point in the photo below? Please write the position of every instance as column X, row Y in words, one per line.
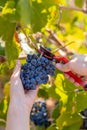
column 39, row 61
column 36, row 70
column 24, row 67
column 33, row 61
column 37, row 79
column 39, row 114
column 33, row 81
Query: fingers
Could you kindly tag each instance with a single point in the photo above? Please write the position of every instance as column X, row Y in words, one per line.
column 63, row 67
column 31, row 96
column 17, row 69
column 32, row 93
column 16, row 84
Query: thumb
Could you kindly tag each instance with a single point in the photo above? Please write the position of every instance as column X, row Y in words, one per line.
column 63, row 67
column 17, row 69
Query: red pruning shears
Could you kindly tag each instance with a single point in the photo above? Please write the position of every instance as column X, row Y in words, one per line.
column 58, row 59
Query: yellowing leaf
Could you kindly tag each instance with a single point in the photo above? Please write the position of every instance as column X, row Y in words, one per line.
column 68, row 119
column 6, row 89
column 8, row 8
column 59, row 89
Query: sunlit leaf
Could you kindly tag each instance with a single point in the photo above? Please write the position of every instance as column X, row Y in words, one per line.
column 11, row 49
column 7, row 89
column 79, row 3
column 67, row 119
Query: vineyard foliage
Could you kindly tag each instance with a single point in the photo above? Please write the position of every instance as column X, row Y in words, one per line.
column 40, row 22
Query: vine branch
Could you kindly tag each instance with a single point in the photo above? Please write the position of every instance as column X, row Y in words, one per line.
column 84, row 9
column 72, row 8
column 61, row 45
column 85, row 5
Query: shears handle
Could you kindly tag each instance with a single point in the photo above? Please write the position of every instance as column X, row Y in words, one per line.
column 75, row 77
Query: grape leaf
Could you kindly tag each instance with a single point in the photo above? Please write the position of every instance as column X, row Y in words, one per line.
column 43, row 92
column 2, row 51
column 2, row 3
column 9, row 11
column 79, row 3
column 3, row 111
column 24, row 10
column 75, row 126
column 52, row 92
column 56, row 112
column 38, row 13
column 82, row 49
column 68, row 119
column 64, row 87
column 8, row 20
column 52, row 128
column 66, row 18
column 81, row 102
column 11, row 48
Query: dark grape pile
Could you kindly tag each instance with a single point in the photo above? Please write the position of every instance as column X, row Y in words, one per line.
column 36, row 71
column 39, row 114
column 84, row 114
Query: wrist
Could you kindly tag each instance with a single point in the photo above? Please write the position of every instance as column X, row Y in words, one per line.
column 19, row 108
column 17, row 118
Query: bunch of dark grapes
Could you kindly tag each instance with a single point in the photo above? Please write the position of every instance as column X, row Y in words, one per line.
column 84, row 114
column 39, row 114
column 36, row 71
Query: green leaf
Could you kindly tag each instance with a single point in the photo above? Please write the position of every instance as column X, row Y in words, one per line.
column 79, row 3
column 68, row 119
column 38, row 12
column 56, row 112
column 2, row 51
column 9, row 11
column 53, row 127
column 75, row 126
column 64, row 88
column 66, row 18
column 83, row 49
column 2, row 3
column 8, row 19
column 24, row 10
column 7, row 34
column 2, row 122
column 52, row 92
column 43, row 92
column 3, row 111
column 4, row 69
column 81, row 101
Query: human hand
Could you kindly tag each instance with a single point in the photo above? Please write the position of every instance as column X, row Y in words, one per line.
column 20, row 103
column 17, row 92
column 78, row 64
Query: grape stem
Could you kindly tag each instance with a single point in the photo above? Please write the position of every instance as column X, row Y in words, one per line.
column 60, row 44
column 29, row 42
column 72, row 8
